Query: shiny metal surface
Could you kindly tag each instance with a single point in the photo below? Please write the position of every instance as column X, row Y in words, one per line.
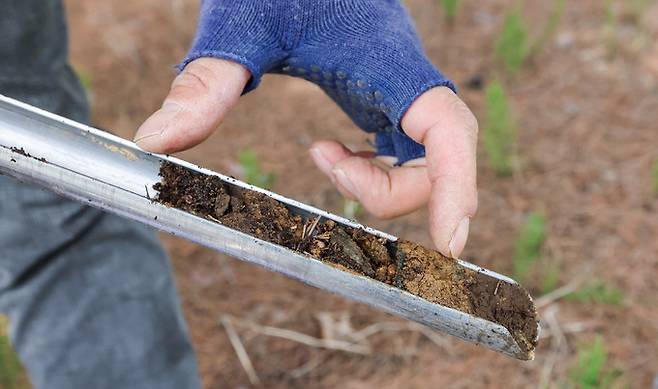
column 113, row 174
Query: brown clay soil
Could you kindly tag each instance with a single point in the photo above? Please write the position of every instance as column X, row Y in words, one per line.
column 404, row 264
column 586, row 114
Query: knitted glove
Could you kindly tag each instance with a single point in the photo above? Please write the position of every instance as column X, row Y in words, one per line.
column 364, row 54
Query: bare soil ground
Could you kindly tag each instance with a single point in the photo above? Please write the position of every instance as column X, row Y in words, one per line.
column 587, row 122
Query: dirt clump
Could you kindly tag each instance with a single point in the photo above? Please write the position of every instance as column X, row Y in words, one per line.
column 434, row 277
column 351, row 248
column 265, row 218
column 403, row 264
column 209, row 197
column 507, row 304
column 442, row 280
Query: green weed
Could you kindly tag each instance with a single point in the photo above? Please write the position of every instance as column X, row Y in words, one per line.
column 10, row 367
column 597, row 292
column 528, row 244
column 253, row 172
column 654, row 177
column 450, row 8
column 499, row 135
column 512, row 46
column 548, row 29
column 85, row 79
column 590, row 371
column 610, row 26
column 352, row 209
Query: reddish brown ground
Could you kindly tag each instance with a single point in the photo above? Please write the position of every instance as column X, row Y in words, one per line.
column 587, row 120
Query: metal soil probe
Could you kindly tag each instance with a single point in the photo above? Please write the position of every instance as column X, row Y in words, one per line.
column 104, row 171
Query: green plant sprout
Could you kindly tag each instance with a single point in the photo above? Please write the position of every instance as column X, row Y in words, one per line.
column 499, row 135
column 528, row 244
column 590, row 371
column 597, row 292
column 549, row 28
column 610, row 26
column 85, row 79
column 352, row 209
column 654, row 177
column 10, row 367
column 512, row 44
column 450, row 9
column 253, row 172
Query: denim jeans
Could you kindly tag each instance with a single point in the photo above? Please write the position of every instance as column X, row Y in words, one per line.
column 90, row 296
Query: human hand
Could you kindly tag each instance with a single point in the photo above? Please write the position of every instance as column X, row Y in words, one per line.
column 446, row 177
column 365, row 55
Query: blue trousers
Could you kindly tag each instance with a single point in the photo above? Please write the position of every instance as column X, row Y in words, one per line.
column 90, row 296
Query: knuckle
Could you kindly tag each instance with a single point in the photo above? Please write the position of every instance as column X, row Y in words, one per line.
column 464, row 115
column 449, row 181
column 196, row 77
column 462, row 152
column 451, row 186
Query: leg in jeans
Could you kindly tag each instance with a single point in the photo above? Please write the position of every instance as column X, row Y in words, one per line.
column 90, row 296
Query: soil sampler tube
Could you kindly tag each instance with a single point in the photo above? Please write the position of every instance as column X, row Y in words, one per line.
column 267, row 229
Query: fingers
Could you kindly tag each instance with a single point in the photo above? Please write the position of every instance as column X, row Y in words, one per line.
column 383, row 193
column 446, row 127
column 198, row 100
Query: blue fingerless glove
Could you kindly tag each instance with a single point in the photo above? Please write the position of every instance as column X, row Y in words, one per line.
column 364, row 54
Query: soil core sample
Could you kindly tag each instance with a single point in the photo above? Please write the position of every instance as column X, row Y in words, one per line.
column 440, row 279
column 402, row 264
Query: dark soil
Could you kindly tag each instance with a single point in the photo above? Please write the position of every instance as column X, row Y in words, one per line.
column 22, row 152
column 507, row 304
column 403, row 264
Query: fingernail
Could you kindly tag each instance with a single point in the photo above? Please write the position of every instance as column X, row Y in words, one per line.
column 158, row 123
column 459, row 237
column 345, row 181
column 320, row 160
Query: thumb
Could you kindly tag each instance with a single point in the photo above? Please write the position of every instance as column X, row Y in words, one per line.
column 199, row 98
column 446, row 127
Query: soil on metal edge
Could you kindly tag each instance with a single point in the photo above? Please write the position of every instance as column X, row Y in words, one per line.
column 24, row 153
column 403, row 264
